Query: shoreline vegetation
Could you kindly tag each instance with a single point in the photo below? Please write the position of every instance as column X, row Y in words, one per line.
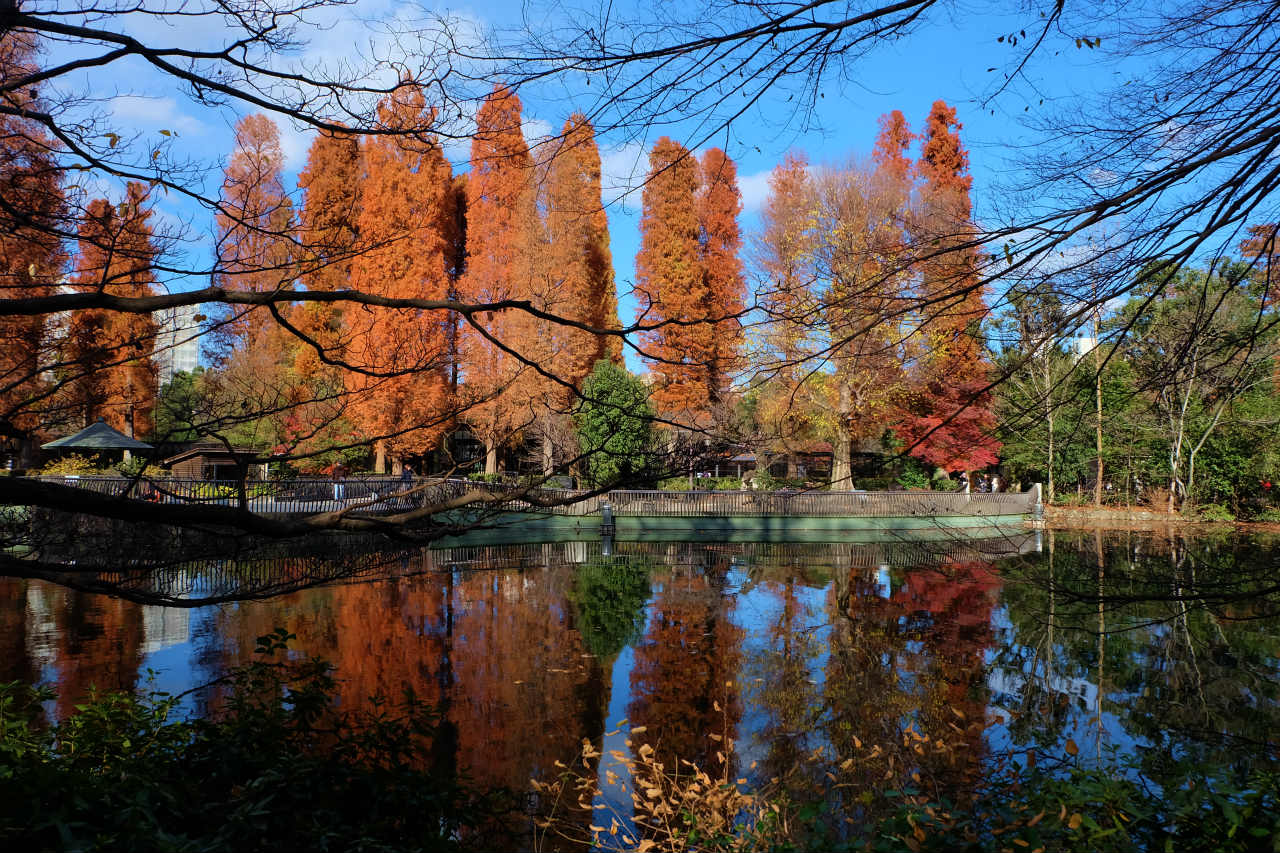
column 1140, row 518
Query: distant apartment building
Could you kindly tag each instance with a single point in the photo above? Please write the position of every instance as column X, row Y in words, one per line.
column 177, row 341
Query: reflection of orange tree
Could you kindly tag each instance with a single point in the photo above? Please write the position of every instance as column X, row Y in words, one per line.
column 785, row 693
column 953, row 615
column 15, row 662
column 99, row 646
column 910, row 718
column 684, row 682
column 494, row 652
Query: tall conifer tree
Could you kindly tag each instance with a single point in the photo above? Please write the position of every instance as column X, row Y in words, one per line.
column 401, row 356
column 502, row 238
column 579, row 256
column 32, row 258
column 950, row 421
column 109, row 351
column 719, row 204
column 254, row 227
column 327, row 231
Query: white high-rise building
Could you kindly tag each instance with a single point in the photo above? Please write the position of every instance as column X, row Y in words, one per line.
column 177, row 341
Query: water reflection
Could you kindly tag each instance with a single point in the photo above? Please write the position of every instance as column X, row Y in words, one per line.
column 1161, row 647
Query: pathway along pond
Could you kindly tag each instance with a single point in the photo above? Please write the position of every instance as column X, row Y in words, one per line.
column 1157, row 655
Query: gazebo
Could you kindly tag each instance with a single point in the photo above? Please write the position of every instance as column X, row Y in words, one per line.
column 98, row 438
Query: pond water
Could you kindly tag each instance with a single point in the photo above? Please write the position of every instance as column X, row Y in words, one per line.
column 1161, row 648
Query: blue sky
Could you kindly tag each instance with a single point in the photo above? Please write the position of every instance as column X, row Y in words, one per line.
column 949, row 59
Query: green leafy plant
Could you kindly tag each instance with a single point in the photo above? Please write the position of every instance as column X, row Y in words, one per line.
column 1214, row 512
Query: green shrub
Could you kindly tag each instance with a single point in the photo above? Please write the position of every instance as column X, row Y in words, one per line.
column 914, row 476
column 1214, row 512
column 137, row 467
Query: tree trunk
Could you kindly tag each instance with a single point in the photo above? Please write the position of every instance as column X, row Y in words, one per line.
column 490, row 455
column 380, row 457
column 1048, row 414
column 1097, row 386
column 548, row 452
column 841, row 467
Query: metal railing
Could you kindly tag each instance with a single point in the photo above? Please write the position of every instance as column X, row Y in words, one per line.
column 391, row 495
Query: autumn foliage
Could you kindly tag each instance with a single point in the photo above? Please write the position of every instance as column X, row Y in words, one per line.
column 689, row 279
column 949, row 422
column 398, row 358
column 109, row 352
column 502, row 239
column 578, row 253
column 255, row 228
column 31, row 257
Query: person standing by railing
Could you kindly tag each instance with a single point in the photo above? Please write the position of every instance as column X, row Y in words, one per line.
column 339, row 484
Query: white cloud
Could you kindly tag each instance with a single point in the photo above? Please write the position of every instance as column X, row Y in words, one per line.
column 294, row 144
column 143, row 113
column 623, row 168
column 754, row 189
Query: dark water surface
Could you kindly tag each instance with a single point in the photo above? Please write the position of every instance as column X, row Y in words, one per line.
column 1164, row 648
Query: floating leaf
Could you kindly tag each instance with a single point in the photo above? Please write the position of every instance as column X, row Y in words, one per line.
column 1071, row 747
column 1074, row 823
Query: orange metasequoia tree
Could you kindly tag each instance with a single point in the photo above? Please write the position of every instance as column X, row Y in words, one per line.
column 949, row 422
column 719, row 204
column 328, row 236
column 108, row 353
column 398, row 358
column 578, row 251
column 689, row 279
column 502, row 238
column 671, row 286
column 32, row 213
column 254, row 223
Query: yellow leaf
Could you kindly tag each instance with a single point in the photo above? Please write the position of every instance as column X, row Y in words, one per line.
column 639, row 730
column 1074, row 823
column 1071, row 747
column 1036, row 819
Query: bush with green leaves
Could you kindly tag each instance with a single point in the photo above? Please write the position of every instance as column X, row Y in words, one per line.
column 1214, row 512
column 615, row 425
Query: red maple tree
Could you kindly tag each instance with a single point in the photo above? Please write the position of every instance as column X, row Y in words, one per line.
column 949, row 420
